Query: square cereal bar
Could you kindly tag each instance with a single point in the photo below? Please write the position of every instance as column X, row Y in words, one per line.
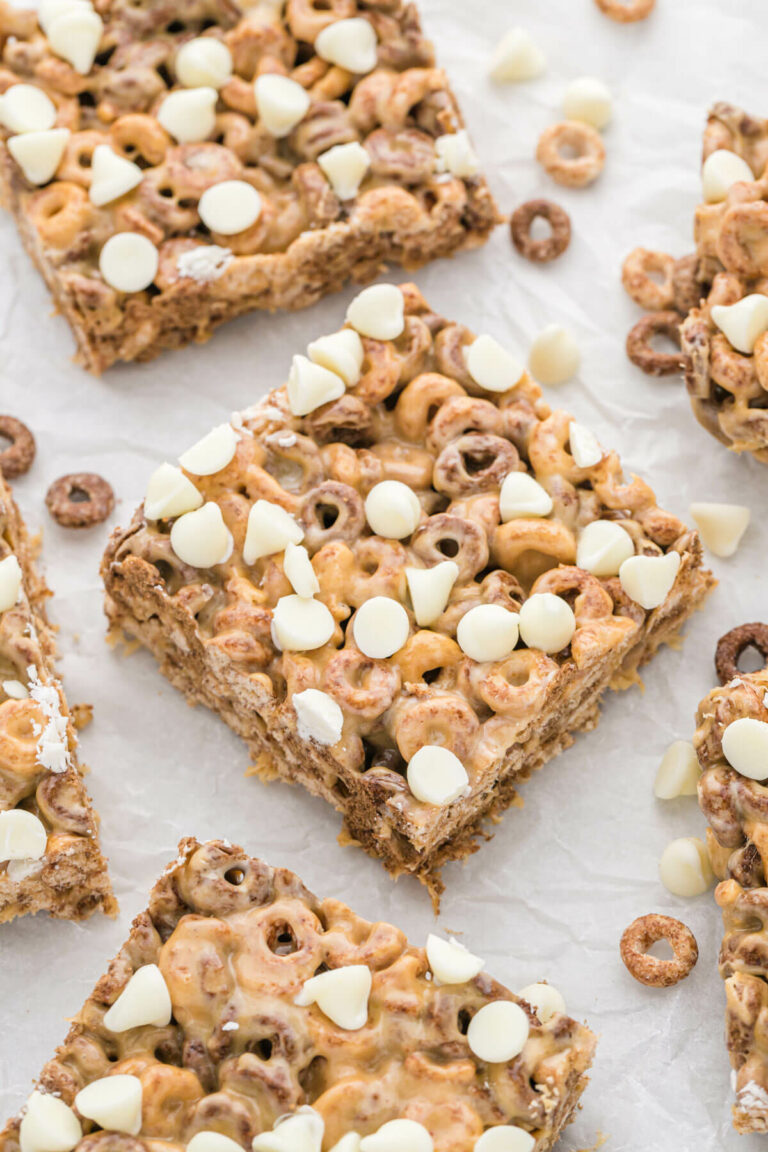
column 254, row 156
column 49, row 850
column 406, row 598
column 240, row 1000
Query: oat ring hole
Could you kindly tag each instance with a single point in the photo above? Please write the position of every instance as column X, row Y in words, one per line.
column 732, row 646
column 641, row 350
column 572, row 153
column 640, row 937
column 546, row 248
column 626, row 12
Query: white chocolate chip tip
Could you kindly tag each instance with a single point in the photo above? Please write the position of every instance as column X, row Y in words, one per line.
column 351, row 44
column 298, row 568
column 75, row 35
column 341, row 994
column 555, row 356
column 113, row 1102
column 111, row 176
column 585, row 447
column 270, row 529
column 22, row 835
column 720, row 171
column 456, row 156
column 26, row 108
column 39, row 154
column 10, row 582
column 128, row 262
column 516, row 58
column 300, row 624
column 301, row 1131
column 282, row 103
column 392, row 510
column 398, row 1136
column 203, row 62
column 201, row 538
column 744, row 322
column 378, row 312
column 170, row 493
column 745, row 747
column 436, row 775
column 522, row 497
column 602, row 548
column 545, row 1000
column 189, row 114
column 546, row 622
column 310, row 386
column 341, row 352
column 380, row 627
column 684, row 867
column 211, row 454
column 144, row 1000
column 648, row 580
column 721, row 526
column 589, row 100
column 212, row 1142
column 678, row 773
column 48, row 1125
column 498, row 1032
column 491, row 366
column 488, row 632
column 318, row 716
column 345, row 166
column 450, row 962
column 430, row 590
column 505, row 1138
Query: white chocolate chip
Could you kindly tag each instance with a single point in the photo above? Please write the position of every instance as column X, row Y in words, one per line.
column 230, row 207
column 678, row 773
column 545, row 1000
column 392, row 510
column 745, row 747
column 113, row 1102
column 170, row 493
column 310, row 386
column 75, row 35
column 684, row 867
column 301, row 625
column 602, row 548
column 270, row 530
column 341, row 994
column 49, row 10
column 189, row 114
column 436, row 775
column 742, row 323
column 282, row 103
column 430, row 590
column 450, row 962
column 721, row 526
column 10, row 582
column 318, row 716
column 204, row 62
column 722, row 169
column 546, row 622
column 516, row 58
column 348, row 1143
column 351, row 44
column 111, row 176
column 491, row 366
column 213, row 1142
column 39, row 154
column 380, row 627
column 505, row 1138
column 456, row 155
column 522, row 497
column 298, row 568
column 585, row 447
column 345, row 165
column 144, row 1000
column 341, row 352
column 201, row 538
column 399, row 1136
column 15, row 690
column 48, row 1125
column 378, row 312
column 498, row 1032
column 17, row 871
column 302, row 1131
column 209, row 455
column 128, row 262
column 555, row 356
column 589, row 100
column 488, row 632
column 25, row 108
column 648, row 580
column 22, row 835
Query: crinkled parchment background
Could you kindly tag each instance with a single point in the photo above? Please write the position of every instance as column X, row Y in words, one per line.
column 555, row 887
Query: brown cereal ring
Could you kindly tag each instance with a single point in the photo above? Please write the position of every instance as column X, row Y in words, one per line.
column 587, row 161
column 732, row 646
column 639, row 348
column 637, row 276
column 626, row 13
column 80, row 500
column 17, row 458
column 540, row 251
column 646, row 931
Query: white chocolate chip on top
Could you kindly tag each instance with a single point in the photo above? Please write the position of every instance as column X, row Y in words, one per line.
column 348, row 1143
column 488, row 632
column 170, row 493
column 522, row 497
column 318, row 716
column 301, row 625
column 111, row 176
column 648, row 580
column 270, row 530
column 49, row 10
column 203, row 62
column 39, row 154
column 75, row 35
column 26, row 108
column 128, row 262
column 345, row 165
column 189, row 114
column 545, row 1000
column 399, row 1136
column 341, row 352
column 301, row 1131
column 745, row 747
column 498, row 1032
column 22, row 835
column 10, row 582
column 505, row 1138
column 430, row 589
column 721, row 526
column 201, row 538
column 678, row 773
column 144, row 1000
column 456, row 155
column 585, row 447
column 436, row 775
column 230, row 207
column 282, row 103
column 113, row 1102
column 589, row 100
column 298, row 568
column 684, row 867
column 721, row 170
column 48, row 1125
column 450, row 962
column 742, row 323
column 491, row 366
column 378, row 312
column 380, row 627
column 341, row 994
column 310, row 386
column 15, row 690
column 392, row 510
column 212, row 1142
column 351, row 44
column 516, row 57
column 555, row 356
column 546, row 622
column 212, row 453
column 602, row 548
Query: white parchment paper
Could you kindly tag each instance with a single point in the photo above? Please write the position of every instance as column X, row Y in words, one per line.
column 550, row 895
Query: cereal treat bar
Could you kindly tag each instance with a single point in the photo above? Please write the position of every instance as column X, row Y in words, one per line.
column 243, row 1012
column 402, row 578
column 171, row 166
column 49, row 851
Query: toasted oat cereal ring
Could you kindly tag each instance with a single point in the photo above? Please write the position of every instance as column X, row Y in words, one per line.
column 59, row 212
column 17, row 458
column 540, row 251
column 626, row 13
column 732, row 646
column 638, row 275
column 584, row 141
column 646, row 931
column 641, row 352
column 80, row 500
